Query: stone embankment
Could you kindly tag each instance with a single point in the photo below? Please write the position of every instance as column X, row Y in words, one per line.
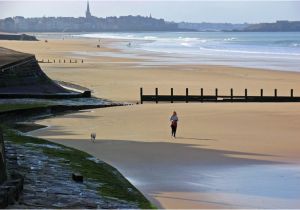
column 48, row 181
column 2, row 160
column 21, row 37
column 10, row 186
column 22, row 77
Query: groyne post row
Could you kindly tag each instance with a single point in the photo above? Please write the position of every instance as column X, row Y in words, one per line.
column 216, row 97
column 61, row 61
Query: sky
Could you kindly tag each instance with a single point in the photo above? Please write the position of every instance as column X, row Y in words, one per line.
column 236, row 11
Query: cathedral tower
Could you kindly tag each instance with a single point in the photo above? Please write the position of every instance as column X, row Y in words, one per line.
column 88, row 13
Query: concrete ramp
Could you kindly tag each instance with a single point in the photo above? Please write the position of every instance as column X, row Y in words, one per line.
column 21, row 76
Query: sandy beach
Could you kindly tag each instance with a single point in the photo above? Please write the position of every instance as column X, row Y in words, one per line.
column 225, row 155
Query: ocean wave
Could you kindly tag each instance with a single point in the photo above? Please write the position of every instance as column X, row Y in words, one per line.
column 141, row 36
column 188, row 39
column 295, row 44
column 230, row 39
column 108, row 36
column 186, row 44
column 250, row 52
column 150, row 37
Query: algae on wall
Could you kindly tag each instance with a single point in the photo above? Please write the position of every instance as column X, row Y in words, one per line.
column 3, row 175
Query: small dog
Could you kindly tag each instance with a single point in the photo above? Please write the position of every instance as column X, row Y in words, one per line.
column 93, row 137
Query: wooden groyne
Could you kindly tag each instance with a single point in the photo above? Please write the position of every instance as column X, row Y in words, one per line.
column 61, row 61
column 216, row 97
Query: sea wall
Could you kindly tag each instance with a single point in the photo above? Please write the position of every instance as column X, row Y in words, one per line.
column 23, row 37
column 26, row 76
column 22, row 77
column 3, row 175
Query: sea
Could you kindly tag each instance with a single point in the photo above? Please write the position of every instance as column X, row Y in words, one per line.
column 266, row 50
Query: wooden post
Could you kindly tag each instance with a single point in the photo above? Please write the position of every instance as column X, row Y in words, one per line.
column 81, row 61
column 59, row 60
column 261, row 92
column 70, row 61
column 186, row 95
column 292, row 93
column 76, row 61
column 275, row 92
column 171, row 95
column 64, row 60
column 48, row 61
column 54, row 60
column 246, row 94
column 231, row 94
column 216, row 94
column 201, row 95
column 156, row 95
column 141, row 95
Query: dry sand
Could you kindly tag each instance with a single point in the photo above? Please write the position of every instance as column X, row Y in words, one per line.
column 216, row 144
column 119, row 78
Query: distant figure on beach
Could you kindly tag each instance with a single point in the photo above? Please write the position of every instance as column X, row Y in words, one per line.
column 93, row 137
column 129, row 44
column 174, row 120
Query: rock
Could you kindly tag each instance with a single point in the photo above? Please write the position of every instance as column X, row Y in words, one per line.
column 17, row 177
column 18, row 183
column 49, row 185
column 77, row 177
column 11, row 192
column 3, row 200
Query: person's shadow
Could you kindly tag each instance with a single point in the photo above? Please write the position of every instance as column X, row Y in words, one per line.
column 198, row 139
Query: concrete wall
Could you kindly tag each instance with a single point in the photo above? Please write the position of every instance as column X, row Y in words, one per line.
column 26, row 76
column 2, row 160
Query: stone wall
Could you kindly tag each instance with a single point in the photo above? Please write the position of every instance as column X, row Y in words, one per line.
column 2, row 160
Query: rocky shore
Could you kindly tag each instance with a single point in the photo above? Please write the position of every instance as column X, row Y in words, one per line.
column 42, row 174
column 48, row 180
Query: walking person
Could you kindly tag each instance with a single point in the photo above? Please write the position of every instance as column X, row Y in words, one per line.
column 174, row 120
column 93, row 137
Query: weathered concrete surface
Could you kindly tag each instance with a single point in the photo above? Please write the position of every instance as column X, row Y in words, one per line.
column 8, row 56
column 48, row 181
column 20, row 73
column 2, row 160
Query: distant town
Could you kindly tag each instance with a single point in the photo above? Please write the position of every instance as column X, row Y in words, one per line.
column 130, row 23
column 89, row 23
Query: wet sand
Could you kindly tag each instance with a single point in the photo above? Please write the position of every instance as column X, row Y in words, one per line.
column 220, row 148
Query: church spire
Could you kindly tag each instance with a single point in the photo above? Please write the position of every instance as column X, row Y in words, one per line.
column 88, row 13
